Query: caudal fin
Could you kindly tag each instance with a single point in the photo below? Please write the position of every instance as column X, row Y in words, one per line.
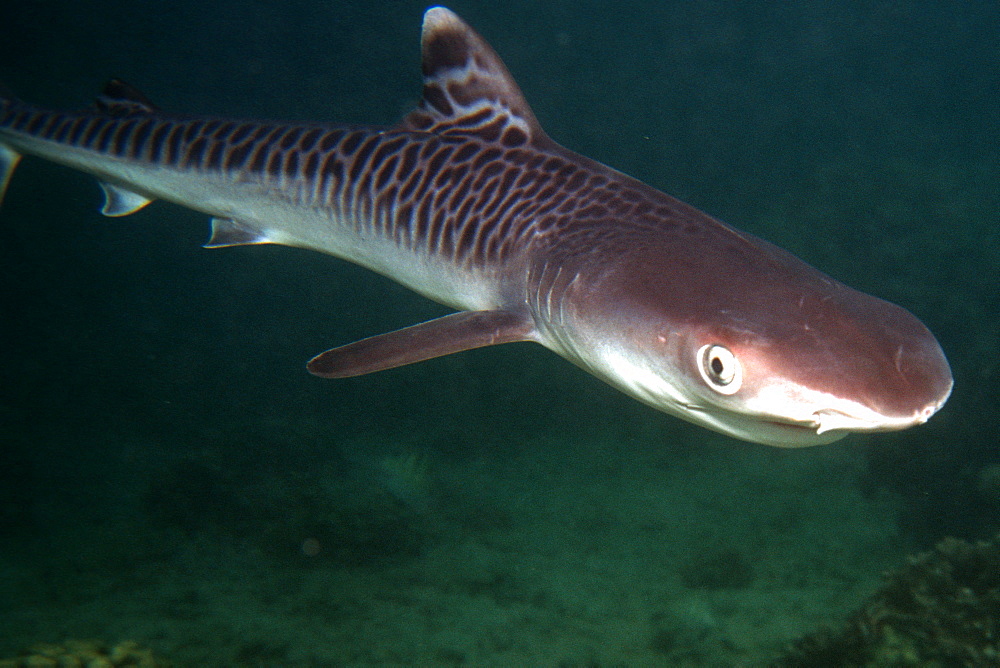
column 8, row 156
column 8, row 161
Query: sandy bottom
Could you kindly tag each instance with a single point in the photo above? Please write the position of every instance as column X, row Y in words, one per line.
column 555, row 553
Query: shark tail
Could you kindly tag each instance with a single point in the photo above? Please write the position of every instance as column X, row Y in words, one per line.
column 119, row 100
column 8, row 161
column 8, row 156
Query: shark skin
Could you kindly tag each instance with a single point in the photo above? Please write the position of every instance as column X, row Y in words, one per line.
column 468, row 202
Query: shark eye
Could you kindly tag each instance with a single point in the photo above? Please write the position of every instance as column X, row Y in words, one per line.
column 720, row 368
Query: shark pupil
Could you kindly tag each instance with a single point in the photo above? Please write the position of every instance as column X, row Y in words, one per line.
column 717, row 366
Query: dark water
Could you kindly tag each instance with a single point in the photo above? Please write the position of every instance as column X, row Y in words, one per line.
column 166, row 460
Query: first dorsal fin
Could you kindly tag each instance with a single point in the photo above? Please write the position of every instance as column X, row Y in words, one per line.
column 467, row 88
column 120, row 99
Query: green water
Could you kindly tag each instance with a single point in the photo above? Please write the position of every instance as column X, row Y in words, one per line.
column 169, row 473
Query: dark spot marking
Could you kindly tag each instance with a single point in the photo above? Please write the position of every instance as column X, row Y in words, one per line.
column 439, row 159
column 242, row 132
column 174, row 140
column 35, row 122
column 94, row 126
column 409, row 159
column 527, row 176
column 312, row 163
column 567, row 206
column 123, row 134
column 422, row 217
column 140, row 137
column 576, row 181
column 465, row 218
column 413, row 179
column 77, row 129
column 447, row 48
column 419, row 119
column 465, row 152
column 442, row 178
column 274, row 163
column 364, row 152
column 224, row 130
column 386, row 172
column 642, row 209
column 459, row 176
column 436, row 230
column 308, row 139
column 491, row 131
column 531, row 190
column 593, row 211
column 514, row 136
column 290, row 138
column 467, row 237
column 631, row 196
column 156, row 141
column 237, row 156
column 210, row 128
column 292, row 163
column 461, row 191
column 436, row 98
column 192, row 130
column 262, row 143
column 389, row 148
column 18, row 119
column 54, row 120
column 473, row 120
column 547, row 193
column 215, row 156
column 60, row 134
column 335, row 172
column 488, row 173
column 487, row 157
column 554, row 165
column 195, row 152
column 103, row 138
column 517, row 157
column 351, row 143
column 330, row 139
column 260, row 132
column 328, row 163
column 486, row 193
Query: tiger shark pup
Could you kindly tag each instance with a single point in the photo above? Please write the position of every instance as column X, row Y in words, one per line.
column 468, row 202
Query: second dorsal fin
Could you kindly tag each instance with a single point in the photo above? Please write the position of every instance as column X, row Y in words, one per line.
column 467, row 88
column 120, row 99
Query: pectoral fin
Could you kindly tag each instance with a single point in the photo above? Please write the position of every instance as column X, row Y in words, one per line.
column 451, row 334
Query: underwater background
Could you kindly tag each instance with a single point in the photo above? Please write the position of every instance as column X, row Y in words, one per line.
column 171, row 475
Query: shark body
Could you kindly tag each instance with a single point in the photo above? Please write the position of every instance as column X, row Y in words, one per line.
column 468, row 202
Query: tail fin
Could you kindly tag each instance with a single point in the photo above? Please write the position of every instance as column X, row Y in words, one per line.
column 8, row 161
column 8, row 156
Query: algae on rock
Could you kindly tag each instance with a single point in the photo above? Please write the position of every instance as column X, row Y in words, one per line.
column 941, row 609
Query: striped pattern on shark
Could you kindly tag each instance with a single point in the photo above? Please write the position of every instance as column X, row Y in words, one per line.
column 468, row 202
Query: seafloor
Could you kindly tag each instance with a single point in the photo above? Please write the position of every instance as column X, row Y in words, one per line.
column 171, row 475
column 619, row 550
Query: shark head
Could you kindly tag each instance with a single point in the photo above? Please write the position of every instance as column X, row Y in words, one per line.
column 741, row 337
